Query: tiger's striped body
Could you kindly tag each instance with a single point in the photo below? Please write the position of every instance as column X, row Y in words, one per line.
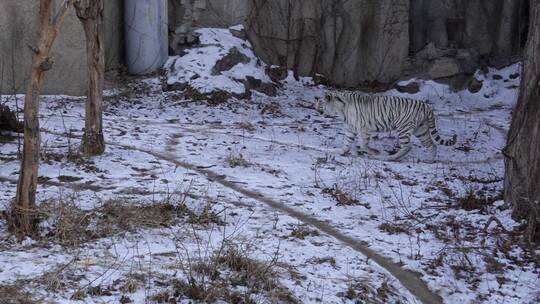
column 365, row 113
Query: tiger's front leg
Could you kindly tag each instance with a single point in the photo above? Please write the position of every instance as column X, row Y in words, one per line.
column 349, row 143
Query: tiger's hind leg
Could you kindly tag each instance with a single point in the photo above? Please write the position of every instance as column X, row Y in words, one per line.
column 422, row 133
column 404, row 145
column 363, row 144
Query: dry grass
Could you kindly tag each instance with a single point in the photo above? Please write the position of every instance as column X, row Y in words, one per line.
column 324, row 260
column 477, row 200
column 15, row 294
column 229, row 275
column 64, row 222
column 302, row 231
column 237, row 160
column 359, row 291
column 392, row 228
column 342, row 198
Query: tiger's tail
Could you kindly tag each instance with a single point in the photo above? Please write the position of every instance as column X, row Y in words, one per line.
column 435, row 134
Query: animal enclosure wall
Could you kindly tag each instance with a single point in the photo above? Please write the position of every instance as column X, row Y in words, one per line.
column 18, row 30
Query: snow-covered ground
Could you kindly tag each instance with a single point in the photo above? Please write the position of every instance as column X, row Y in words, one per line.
column 263, row 168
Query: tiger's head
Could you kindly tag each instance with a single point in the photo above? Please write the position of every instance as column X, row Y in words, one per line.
column 332, row 103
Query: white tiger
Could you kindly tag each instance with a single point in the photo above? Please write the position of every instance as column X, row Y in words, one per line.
column 365, row 113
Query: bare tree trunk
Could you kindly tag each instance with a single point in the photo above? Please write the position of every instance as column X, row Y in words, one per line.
column 90, row 13
column 24, row 220
column 522, row 163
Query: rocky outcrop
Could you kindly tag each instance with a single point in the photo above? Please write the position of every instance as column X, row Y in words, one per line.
column 353, row 43
column 350, row 42
column 226, row 63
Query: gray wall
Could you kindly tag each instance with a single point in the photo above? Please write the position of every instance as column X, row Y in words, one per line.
column 18, row 28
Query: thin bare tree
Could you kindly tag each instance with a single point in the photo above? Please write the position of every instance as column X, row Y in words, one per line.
column 24, row 219
column 90, row 13
column 522, row 151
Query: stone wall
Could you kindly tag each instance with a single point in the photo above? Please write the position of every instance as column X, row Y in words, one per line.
column 18, row 29
column 224, row 13
column 368, row 42
column 350, row 42
column 492, row 27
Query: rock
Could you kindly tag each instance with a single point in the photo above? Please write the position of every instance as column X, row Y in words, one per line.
column 442, row 68
column 252, row 83
column 178, row 43
column 410, row 88
column 500, row 62
column 8, row 120
column 226, row 63
column 241, row 34
column 430, row 52
column 469, row 60
column 475, row 85
column 276, row 73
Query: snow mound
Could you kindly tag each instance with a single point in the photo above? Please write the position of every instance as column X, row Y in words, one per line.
column 196, row 67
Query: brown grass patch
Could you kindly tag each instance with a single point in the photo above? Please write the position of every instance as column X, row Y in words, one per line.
column 15, row 294
column 302, row 231
column 64, row 222
column 394, row 228
column 342, row 198
column 477, row 200
column 359, row 291
column 229, row 275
